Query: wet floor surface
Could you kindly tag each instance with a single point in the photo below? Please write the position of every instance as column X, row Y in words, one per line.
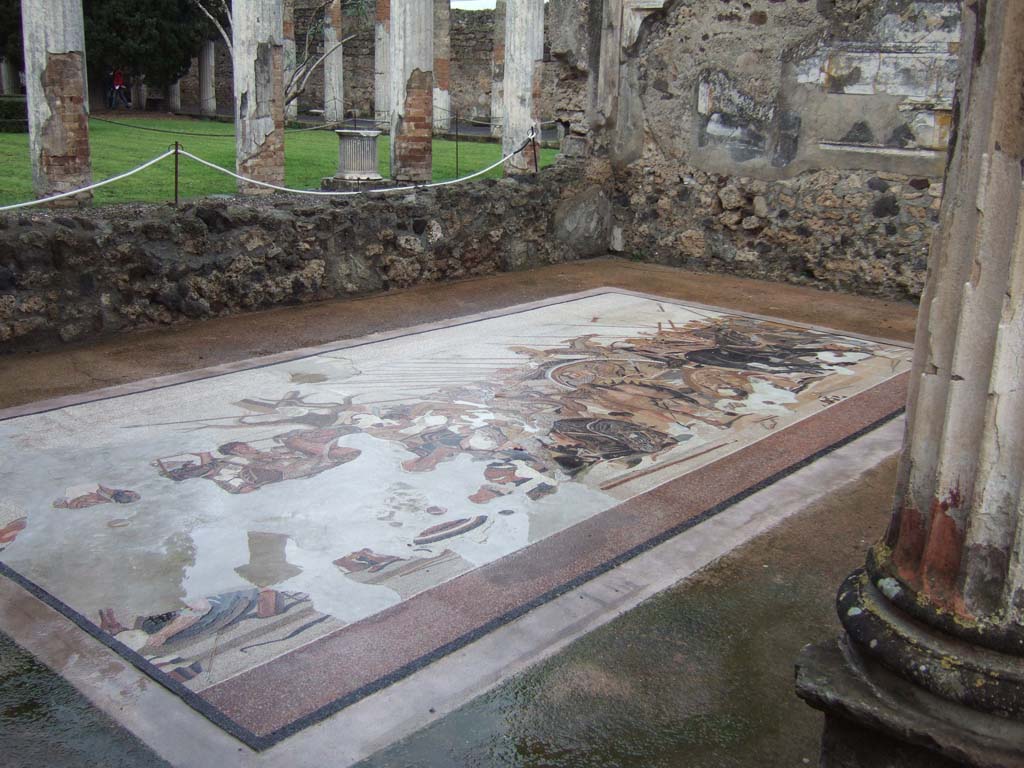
column 700, row 676
column 46, row 722
column 26, row 377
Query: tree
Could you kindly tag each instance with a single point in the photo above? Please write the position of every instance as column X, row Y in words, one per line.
column 218, row 14
column 10, row 32
column 154, row 38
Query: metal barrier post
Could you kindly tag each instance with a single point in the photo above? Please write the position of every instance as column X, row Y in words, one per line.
column 177, row 149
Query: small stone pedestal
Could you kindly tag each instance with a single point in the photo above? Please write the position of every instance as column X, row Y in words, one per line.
column 357, row 155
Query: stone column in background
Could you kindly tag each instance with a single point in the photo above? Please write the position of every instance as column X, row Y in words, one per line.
column 524, row 64
column 8, row 77
column 941, row 600
column 174, row 97
column 54, row 38
column 498, row 69
column 382, row 62
column 334, row 64
column 140, row 93
column 259, row 91
column 412, row 89
column 207, row 79
column 442, row 65
column 291, row 109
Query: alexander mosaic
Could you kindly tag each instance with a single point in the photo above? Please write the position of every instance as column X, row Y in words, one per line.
column 215, row 525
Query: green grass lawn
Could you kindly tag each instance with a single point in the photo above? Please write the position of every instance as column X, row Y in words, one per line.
column 310, row 155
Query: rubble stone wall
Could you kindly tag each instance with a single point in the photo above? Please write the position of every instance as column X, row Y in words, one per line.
column 75, row 276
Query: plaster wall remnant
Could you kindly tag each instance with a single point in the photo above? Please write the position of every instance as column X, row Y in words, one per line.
column 940, row 602
column 382, row 60
column 412, row 89
column 207, row 76
column 334, row 64
column 524, row 66
column 442, row 65
column 259, row 91
column 54, row 40
column 291, row 110
column 498, row 68
column 840, row 189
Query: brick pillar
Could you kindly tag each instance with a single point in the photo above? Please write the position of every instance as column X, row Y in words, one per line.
column 412, row 89
column 498, row 69
column 291, row 108
column 54, row 39
column 524, row 66
column 259, row 91
column 382, row 61
column 334, row 65
column 207, row 79
column 940, row 602
column 442, row 65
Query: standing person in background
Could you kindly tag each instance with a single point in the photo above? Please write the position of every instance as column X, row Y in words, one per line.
column 120, row 90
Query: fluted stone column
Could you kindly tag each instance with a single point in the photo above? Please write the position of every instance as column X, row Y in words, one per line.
column 524, row 61
column 207, row 79
column 442, row 65
column 334, row 65
column 140, row 93
column 8, row 77
column 941, row 600
column 54, row 40
column 498, row 69
column 259, row 91
column 291, row 109
column 174, row 96
column 412, row 88
column 382, row 61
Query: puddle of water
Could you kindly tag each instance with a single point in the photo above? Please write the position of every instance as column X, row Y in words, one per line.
column 44, row 721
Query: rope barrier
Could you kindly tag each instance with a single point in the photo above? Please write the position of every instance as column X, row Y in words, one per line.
column 318, row 127
column 177, row 150
column 352, row 193
column 91, row 187
column 165, row 130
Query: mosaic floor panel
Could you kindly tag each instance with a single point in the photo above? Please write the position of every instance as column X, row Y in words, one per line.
column 275, row 543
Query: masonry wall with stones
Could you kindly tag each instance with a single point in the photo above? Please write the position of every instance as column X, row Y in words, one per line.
column 783, row 139
column 472, row 34
column 70, row 276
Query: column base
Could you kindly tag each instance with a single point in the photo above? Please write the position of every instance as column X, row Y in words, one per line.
column 874, row 719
